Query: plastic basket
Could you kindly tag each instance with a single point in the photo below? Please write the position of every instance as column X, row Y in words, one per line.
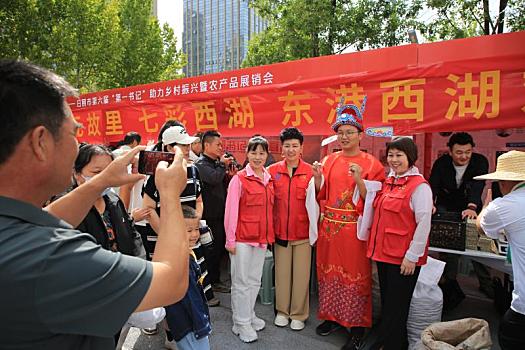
column 448, row 231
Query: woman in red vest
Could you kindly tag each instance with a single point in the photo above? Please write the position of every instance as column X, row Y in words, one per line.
column 292, row 251
column 398, row 242
column 248, row 221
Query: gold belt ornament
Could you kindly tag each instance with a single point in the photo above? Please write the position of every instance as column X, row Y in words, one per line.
column 337, row 219
column 343, row 216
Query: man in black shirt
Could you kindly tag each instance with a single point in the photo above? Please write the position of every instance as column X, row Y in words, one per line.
column 455, row 190
column 212, row 165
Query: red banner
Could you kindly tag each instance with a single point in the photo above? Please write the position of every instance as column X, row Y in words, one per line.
column 467, row 84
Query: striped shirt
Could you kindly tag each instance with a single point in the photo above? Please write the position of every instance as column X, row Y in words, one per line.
column 198, row 250
column 188, row 196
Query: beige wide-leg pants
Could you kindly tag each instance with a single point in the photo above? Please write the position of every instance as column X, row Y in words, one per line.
column 292, row 279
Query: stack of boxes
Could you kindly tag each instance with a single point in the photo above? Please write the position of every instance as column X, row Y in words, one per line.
column 472, row 235
column 475, row 241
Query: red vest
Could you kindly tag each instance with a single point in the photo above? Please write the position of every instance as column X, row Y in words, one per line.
column 255, row 221
column 290, row 218
column 394, row 221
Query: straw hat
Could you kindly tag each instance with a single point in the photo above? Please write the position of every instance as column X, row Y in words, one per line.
column 510, row 167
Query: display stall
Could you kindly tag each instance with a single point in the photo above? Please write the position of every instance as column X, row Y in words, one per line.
column 427, row 90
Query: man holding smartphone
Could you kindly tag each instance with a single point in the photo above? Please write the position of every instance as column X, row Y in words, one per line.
column 212, row 165
column 60, row 290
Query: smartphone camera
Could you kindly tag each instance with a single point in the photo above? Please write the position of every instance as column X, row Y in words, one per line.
column 148, row 161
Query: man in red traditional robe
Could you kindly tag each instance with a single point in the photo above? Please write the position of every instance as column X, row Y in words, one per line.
column 343, row 270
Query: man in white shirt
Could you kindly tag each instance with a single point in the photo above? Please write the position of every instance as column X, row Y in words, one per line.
column 506, row 214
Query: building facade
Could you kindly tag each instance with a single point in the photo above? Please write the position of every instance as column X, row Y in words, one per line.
column 216, row 34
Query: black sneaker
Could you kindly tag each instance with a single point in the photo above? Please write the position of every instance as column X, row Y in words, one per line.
column 327, row 327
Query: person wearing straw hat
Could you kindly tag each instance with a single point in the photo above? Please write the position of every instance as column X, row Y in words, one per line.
column 506, row 213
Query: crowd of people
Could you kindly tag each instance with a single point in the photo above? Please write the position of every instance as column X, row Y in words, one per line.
column 86, row 241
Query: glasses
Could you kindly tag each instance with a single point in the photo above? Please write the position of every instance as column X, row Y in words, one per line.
column 347, row 133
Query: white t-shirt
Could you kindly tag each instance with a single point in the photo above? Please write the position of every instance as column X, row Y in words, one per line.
column 193, row 157
column 507, row 213
column 460, row 171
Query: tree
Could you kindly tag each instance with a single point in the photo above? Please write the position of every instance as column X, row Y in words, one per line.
column 94, row 44
column 84, row 44
column 268, row 47
column 516, row 15
column 461, row 19
column 310, row 28
column 76, row 38
column 17, row 36
column 173, row 58
column 150, row 52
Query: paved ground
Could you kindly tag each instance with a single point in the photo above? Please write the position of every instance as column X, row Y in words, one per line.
column 272, row 337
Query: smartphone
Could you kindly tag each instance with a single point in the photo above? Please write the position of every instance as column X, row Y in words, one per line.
column 148, row 161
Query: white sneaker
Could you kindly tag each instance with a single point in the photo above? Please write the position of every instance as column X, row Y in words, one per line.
column 258, row 324
column 172, row 345
column 280, row 321
column 296, row 325
column 246, row 333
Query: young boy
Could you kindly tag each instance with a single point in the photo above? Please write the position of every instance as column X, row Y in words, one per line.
column 189, row 319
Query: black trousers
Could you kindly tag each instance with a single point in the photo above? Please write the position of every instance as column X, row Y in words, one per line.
column 396, row 294
column 215, row 253
column 511, row 334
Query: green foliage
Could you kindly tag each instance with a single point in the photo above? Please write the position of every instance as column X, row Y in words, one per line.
column 173, row 59
column 142, row 44
column 462, row 19
column 310, row 28
column 381, row 23
column 95, row 44
column 268, row 47
column 83, row 44
column 516, row 15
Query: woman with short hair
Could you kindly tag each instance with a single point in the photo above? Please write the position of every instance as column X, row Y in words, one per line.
column 398, row 242
column 292, row 250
